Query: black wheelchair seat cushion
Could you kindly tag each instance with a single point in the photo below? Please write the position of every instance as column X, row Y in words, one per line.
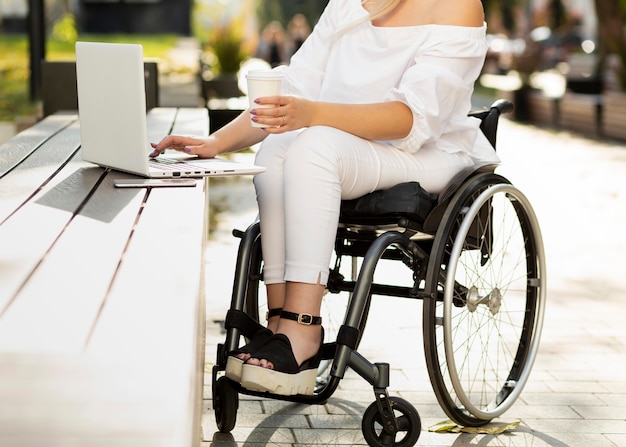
column 407, row 200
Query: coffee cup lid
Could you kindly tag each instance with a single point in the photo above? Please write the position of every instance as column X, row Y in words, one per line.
column 264, row 74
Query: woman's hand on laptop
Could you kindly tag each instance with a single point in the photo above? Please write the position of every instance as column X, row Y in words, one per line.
column 236, row 135
column 201, row 147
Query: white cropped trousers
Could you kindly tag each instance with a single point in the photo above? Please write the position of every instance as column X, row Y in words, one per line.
column 309, row 172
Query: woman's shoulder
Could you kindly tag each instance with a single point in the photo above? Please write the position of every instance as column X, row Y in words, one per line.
column 468, row 13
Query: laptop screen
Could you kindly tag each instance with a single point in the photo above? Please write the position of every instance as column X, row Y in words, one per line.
column 112, row 105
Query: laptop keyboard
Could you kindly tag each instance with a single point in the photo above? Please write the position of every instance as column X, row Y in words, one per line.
column 167, row 164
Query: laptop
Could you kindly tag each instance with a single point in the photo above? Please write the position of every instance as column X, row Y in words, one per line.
column 113, row 123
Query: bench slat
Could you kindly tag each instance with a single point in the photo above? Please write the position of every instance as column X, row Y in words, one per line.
column 29, row 233
column 59, row 305
column 19, row 184
column 27, row 142
column 146, row 294
column 151, row 312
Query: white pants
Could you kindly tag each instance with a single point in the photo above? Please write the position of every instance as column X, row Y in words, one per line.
column 308, row 174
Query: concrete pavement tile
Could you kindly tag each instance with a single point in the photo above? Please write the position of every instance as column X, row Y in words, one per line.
column 272, row 406
column 245, row 435
column 245, row 406
column 415, row 380
column 436, row 439
column 522, row 436
column 605, row 372
column 534, row 386
column 419, row 398
column 553, row 425
column 615, row 400
column 430, row 411
column 539, row 399
column 577, row 387
column 540, row 411
column 362, row 396
column 541, row 375
column 232, row 443
column 571, row 440
column 592, row 412
column 275, row 420
column 617, row 440
column 616, row 387
column 345, row 407
column 330, row 437
column 336, row 421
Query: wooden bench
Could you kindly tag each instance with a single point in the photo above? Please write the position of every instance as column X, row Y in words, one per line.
column 580, row 112
column 542, row 110
column 101, row 295
column 614, row 115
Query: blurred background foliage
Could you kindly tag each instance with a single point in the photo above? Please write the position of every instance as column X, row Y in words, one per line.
column 230, row 31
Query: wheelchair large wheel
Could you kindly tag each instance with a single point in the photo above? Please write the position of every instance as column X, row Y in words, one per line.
column 486, row 285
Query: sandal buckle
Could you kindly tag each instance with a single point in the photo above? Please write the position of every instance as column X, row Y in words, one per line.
column 306, row 319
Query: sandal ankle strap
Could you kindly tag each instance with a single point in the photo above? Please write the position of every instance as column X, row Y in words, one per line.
column 305, row 319
column 273, row 313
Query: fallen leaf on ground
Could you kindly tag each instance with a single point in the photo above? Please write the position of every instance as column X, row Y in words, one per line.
column 493, row 428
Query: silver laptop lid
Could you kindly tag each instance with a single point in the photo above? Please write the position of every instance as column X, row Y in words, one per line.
column 112, row 105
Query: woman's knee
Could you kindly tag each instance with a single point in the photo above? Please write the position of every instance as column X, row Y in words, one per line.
column 315, row 146
column 272, row 150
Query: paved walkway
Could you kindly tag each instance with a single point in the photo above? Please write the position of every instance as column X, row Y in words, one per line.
column 576, row 396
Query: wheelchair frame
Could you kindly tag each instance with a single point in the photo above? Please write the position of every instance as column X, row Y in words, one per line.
column 478, row 265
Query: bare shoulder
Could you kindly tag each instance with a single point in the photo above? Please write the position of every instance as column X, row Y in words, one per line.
column 440, row 12
column 459, row 13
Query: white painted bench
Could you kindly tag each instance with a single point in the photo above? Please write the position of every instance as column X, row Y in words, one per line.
column 101, row 295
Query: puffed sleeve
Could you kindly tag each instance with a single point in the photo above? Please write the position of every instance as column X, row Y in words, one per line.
column 438, row 87
column 305, row 73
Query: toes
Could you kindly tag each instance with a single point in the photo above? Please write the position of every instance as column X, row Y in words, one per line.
column 266, row 364
column 263, row 363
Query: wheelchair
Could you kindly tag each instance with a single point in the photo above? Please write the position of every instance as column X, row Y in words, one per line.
column 473, row 255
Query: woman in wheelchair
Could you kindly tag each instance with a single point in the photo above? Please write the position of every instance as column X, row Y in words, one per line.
column 381, row 101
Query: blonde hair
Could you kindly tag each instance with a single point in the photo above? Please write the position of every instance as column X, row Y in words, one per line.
column 381, row 9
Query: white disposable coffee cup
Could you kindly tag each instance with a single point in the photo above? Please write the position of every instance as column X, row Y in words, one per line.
column 263, row 83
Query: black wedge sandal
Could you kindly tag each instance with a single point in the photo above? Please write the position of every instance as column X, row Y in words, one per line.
column 260, row 335
column 287, row 378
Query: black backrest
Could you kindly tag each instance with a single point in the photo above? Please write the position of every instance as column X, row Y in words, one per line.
column 489, row 126
column 58, row 86
column 489, row 118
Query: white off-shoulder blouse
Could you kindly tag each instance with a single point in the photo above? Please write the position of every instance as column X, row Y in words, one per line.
column 431, row 68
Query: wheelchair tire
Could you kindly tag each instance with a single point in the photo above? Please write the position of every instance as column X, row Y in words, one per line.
column 486, row 286
column 409, row 422
column 225, row 405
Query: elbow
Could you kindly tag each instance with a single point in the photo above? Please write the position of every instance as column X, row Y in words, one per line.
column 403, row 122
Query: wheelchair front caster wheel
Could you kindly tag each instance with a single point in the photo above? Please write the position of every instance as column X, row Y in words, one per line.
column 408, row 429
column 225, row 404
